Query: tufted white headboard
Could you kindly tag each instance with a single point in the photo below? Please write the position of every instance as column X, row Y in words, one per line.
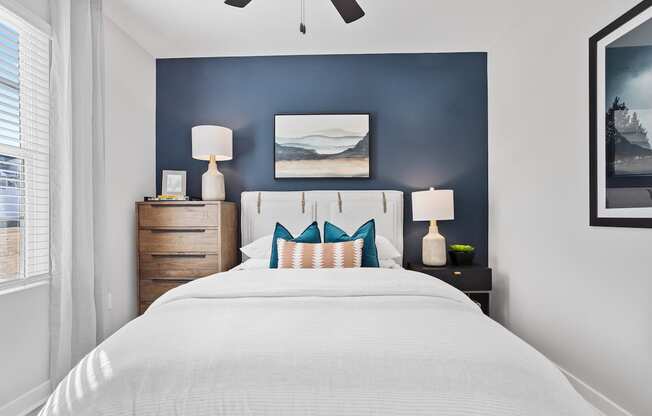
column 260, row 211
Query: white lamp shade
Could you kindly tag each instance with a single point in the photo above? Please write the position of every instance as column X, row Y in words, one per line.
column 212, row 140
column 434, row 204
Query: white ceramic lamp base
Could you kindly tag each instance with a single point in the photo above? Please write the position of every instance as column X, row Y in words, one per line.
column 433, row 247
column 212, row 183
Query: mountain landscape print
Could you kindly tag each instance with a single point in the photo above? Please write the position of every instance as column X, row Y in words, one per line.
column 629, row 110
column 321, row 146
column 628, row 117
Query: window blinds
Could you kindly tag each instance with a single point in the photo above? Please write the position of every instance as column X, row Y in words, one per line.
column 24, row 148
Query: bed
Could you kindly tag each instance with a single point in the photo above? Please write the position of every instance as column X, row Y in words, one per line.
column 315, row 342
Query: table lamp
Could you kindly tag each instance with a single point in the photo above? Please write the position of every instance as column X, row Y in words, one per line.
column 212, row 143
column 433, row 205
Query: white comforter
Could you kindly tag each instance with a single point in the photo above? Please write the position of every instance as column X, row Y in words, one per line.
column 315, row 342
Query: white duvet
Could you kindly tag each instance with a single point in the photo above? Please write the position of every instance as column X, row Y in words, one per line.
column 315, row 342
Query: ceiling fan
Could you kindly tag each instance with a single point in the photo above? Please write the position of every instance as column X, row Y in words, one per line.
column 350, row 10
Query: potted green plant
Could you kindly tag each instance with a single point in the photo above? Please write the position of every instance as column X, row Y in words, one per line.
column 461, row 254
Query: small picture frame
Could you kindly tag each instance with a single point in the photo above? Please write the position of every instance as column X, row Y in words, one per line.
column 174, row 183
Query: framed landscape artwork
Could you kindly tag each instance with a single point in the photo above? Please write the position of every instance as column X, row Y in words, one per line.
column 321, row 146
column 621, row 121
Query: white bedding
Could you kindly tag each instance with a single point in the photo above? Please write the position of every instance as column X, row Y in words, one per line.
column 315, row 342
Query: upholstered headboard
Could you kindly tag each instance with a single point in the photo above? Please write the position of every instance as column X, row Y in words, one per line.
column 347, row 209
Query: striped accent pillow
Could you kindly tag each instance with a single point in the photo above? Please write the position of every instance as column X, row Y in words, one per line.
column 342, row 255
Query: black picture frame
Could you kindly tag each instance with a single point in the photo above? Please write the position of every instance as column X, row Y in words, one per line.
column 329, row 178
column 594, row 218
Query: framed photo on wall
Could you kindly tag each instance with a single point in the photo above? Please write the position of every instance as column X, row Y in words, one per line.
column 321, row 146
column 620, row 98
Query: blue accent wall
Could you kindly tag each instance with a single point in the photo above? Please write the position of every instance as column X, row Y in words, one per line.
column 428, row 125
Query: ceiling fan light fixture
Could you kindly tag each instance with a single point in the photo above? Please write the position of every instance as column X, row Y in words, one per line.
column 350, row 10
column 237, row 3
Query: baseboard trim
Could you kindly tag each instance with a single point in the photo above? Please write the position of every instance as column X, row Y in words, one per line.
column 27, row 402
column 601, row 402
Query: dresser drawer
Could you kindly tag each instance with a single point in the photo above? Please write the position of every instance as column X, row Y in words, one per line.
column 178, row 215
column 175, row 265
column 179, row 240
column 142, row 307
column 150, row 290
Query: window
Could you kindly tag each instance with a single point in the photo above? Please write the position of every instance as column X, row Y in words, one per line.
column 24, row 149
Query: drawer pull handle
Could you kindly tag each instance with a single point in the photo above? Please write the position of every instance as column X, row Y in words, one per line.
column 457, row 274
column 180, row 255
column 156, row 280
column 168, row 205
column 179, row 230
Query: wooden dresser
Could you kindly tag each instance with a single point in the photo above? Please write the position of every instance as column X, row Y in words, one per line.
column 179, row 241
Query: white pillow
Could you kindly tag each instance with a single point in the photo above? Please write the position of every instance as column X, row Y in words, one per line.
column 386, row 251
column 253, row 264
column 259, row 249
column 262, row 248
column 389, row 264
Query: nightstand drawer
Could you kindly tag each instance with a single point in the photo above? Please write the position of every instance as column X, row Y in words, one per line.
column 150, row 290
column 179, row 240
column 176, row 265
column 165, row 214
column 481, row 299
column 465, row 279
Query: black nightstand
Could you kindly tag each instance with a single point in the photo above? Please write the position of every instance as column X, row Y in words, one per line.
column 473, row 280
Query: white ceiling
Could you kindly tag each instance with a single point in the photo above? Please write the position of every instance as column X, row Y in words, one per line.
column 193, row 28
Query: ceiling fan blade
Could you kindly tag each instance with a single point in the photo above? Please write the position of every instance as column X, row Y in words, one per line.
column 237, row 3
column 350, row 10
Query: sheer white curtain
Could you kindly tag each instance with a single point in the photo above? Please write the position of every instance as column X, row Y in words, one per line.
column 77, row 181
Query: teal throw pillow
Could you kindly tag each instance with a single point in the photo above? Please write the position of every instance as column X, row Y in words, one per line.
column 367, row 231
column 309, row 235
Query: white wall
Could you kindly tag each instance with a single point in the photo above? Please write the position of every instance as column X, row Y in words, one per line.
column 130, row 150
column 579, row 294
column 24, row 349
